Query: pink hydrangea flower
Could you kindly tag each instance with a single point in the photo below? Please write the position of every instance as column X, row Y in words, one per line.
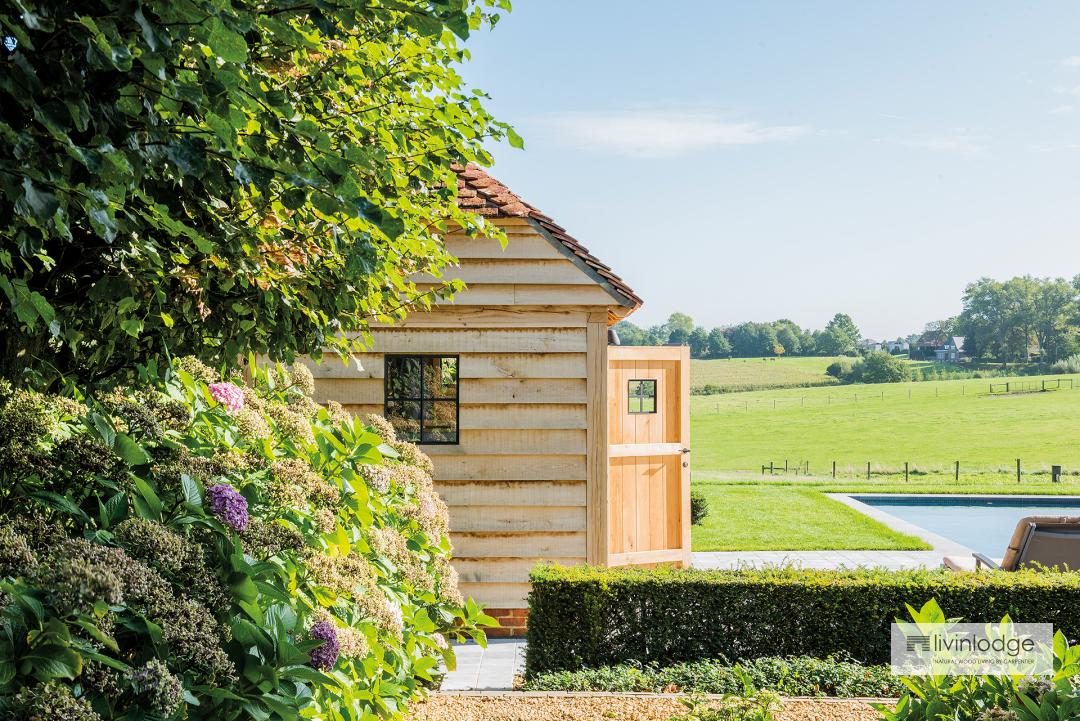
column 228, row 395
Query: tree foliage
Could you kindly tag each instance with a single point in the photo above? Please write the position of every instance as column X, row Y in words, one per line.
column 218, row 177
column 1009, row 320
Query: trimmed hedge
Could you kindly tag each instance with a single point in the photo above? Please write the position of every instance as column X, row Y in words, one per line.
column 801, row 676
column 591, row 617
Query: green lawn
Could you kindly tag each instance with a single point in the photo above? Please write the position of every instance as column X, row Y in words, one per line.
column 764, row 518
column 929, row 425
column 756, row 373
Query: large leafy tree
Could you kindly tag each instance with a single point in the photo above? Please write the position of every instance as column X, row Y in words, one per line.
column 222, row 176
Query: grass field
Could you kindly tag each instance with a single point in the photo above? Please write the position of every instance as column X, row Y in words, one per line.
column 740, row 374
column 929, row 425
column 764, row 518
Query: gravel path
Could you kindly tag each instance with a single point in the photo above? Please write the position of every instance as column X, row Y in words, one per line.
column 561, row 707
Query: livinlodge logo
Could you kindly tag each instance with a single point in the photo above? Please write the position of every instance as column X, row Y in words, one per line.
column 972, row 649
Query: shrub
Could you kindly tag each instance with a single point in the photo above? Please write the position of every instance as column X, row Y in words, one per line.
column 196, row 548
column 991, row 698
column 699, row 507
column 839, row 369
column 1067, row 365
column 799, row 676
column 879, row 367
column 592, row 617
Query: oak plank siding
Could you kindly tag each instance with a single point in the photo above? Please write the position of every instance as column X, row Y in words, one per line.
column 516, row 483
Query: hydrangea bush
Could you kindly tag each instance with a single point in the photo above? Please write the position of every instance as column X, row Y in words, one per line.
column 204, row 548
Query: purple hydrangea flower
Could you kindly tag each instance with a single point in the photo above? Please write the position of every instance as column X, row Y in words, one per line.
column 325, row 656
column 228, row 505
column 228, row 395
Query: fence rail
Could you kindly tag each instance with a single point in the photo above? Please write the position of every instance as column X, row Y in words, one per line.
column 908, row 469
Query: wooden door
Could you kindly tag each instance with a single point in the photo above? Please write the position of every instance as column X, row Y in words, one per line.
column 648, row 455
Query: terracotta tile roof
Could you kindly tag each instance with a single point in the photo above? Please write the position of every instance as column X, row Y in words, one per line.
column 482, row 194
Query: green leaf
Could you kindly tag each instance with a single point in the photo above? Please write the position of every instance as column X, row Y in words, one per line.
column 60, row 503
column 147, row 494
column 116, row 509
column 49, row 661
column 167, row 320
column 40, row 202
column 515, row 140
column 192, row 495
column 130, row 451
column 132, row 326
column 228, row 45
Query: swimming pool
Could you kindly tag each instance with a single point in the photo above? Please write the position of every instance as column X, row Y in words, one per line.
column 982, row 523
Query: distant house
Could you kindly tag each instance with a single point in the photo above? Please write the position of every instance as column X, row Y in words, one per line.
column 867, row 344
column 952, row 350
column 898, row 346
column 929, row 342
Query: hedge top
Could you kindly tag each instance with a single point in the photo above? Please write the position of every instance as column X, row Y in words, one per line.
column 773, row 576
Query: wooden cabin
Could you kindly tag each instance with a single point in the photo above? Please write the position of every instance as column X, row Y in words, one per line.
column 549, row 444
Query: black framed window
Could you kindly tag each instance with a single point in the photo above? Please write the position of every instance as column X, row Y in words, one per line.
column 642, row 395
column 421, row 397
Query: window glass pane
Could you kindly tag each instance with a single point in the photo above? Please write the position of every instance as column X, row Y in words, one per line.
column 402, row 377
column 440, row 378
column 404, row 416
column 440, row 422
column 642, row 396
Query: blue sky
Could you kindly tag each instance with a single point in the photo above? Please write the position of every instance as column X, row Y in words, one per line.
column 758, row 160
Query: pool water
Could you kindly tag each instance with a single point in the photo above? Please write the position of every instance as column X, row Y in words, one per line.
column 982, row 523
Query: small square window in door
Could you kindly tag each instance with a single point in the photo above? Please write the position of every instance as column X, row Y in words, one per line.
column 642, row 396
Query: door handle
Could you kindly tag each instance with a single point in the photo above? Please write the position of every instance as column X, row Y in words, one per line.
column 686, row 450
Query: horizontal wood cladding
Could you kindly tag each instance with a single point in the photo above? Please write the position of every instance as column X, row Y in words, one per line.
column 488, row 340
column 509, row 468
column 512, row 493
column 479, row 316
column 474, row 442
column 497, row 595
column 503, row 570
column 473, row 365
column 523, row 416
column 588, row 293
column 530, row 271
column 472, row 390
column 519, row 246
column 565, row 544
column 500, row 519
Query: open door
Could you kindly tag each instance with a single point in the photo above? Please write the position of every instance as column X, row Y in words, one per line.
column 648, row 455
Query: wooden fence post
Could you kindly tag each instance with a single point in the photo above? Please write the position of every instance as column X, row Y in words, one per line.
column 905, row 471
column 957, row 477
column 834, row 469
column 868, row 470
column 1017, row 470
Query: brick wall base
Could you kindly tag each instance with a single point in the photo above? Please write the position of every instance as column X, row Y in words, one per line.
column 512, row 622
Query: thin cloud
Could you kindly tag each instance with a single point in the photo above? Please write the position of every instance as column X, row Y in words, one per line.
column 665, row 133
column 1057, row 148
column 1067, row 90
column 1073, row 61
column 957, row 143
column 1062, row 110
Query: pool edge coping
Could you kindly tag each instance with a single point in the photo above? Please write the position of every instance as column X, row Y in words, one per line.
column 939, row 544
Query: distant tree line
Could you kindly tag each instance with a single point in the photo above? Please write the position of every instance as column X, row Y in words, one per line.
column 747, row 340
column 1017, row 320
